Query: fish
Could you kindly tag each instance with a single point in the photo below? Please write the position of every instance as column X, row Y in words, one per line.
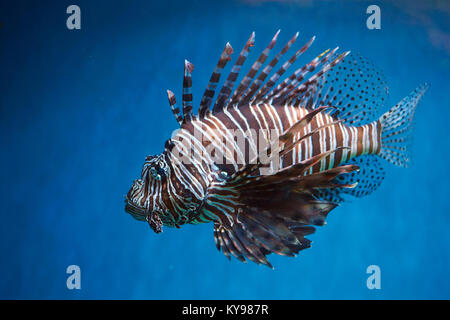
column 267, row 158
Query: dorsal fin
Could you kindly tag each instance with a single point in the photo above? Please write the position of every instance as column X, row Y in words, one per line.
column 187, row 92
column 215, row 77
column 227, row 88
column 173, row 106
column 263, row 91
column 295, row 96
column 291, row 82
column 236, row 97
column 308, row 98
column 296, row 89
column 266, row 71
column 355, row 87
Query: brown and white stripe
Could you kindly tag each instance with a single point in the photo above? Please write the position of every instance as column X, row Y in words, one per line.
column 221, row 127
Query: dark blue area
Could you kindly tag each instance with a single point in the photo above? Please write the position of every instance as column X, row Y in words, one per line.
column 81, row 109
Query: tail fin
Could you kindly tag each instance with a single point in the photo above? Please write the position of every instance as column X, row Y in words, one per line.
column 396, row 127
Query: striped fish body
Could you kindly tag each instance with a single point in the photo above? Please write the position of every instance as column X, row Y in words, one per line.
column 267, row 161
column 239, row 133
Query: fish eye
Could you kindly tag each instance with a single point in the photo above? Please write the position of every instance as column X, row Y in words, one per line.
column 157, row 172
column 154, row 167
column 161, row 172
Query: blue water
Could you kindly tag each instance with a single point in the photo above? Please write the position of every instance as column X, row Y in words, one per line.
column 80, row 110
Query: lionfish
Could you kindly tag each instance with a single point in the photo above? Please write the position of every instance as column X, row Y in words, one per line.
column 319, row 125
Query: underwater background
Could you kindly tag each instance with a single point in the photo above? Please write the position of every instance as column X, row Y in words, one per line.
column 81, row 109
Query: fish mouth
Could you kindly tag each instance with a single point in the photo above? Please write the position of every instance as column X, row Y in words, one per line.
column 139, row 213
column 143, row 214
column 131, row 206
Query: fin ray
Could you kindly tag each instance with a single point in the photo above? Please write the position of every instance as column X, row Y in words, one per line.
column 227, row 88
column 215, row 77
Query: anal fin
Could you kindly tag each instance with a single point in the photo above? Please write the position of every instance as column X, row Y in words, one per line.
column 368, row 178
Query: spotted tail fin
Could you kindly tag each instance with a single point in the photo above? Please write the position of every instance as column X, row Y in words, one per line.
column 397, row 126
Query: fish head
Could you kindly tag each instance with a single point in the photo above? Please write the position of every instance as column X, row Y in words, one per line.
column 144, row 199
